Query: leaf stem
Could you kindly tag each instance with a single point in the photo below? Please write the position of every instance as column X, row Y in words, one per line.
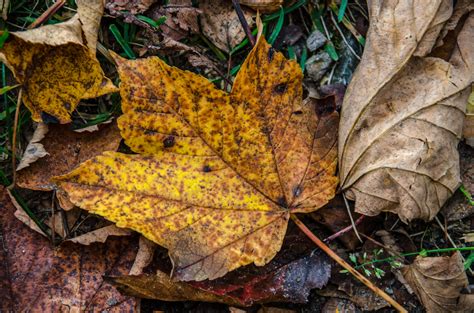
column 346, row 265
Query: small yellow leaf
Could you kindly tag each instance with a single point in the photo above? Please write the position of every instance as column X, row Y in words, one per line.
column 217, row 174
column 56, row 68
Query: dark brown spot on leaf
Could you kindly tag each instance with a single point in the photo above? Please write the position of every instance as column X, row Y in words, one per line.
column 271, row 52
column 169, row 142
column 280, row 88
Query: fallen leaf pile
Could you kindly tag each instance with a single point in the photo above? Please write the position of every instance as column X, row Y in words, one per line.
column 213, row 176
column 217, row 174
column 403, row 112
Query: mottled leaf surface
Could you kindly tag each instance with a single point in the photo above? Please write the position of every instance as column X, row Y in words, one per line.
column 217, row 174
column 56, row 64
column 403, row 112
column 35, row 277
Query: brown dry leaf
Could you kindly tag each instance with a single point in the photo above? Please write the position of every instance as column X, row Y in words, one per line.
column 100, row 235
column 35, row 277
column 402, row 115
column 34, row 150
column 132, row 6
column 218, row 174
column 181, row 19
column 221, row 24
column 437, row 281
column 161, row 286
column 66, row 149
column 56, row 66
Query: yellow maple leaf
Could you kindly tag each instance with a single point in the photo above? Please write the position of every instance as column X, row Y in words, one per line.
column 56, row 64
column 217, row 174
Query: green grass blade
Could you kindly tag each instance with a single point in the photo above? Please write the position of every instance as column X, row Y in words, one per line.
column 342, row 10
column 121, row 41
column 278, row 27
column 304, row 57
column 3, row 37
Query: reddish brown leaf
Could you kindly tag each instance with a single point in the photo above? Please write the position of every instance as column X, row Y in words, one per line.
column 35, row 277
column 67, row 149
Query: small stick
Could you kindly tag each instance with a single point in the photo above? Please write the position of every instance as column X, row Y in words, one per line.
column 15, row 126
column 451, row 241
column 350, row 217
column 346, row 265
column 344, row 230
column 47, row 14
column 243, row 21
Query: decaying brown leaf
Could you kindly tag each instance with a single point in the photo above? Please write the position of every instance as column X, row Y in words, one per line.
column 56, row 64
column 132, row 6
column 218, row 174
column 402, row 114
column 66, row 149
column 438, row 282
column 221, row 24
column 35, row 277
column 181, row 19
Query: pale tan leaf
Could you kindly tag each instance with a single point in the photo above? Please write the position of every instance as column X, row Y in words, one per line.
column 221, row 24
column 402, row 115
column 146, row 249
column 34, row 150
column 437, row 281
column 90, row 13
column 100, row 235
column 21, row 215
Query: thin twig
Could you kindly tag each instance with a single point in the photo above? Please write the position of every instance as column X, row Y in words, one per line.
column 47, row 14
column 350, row 217
column 344, row 230
column 343, row 37
column 15, row 128
column 346, row 265
column 243, row 21
column 451, row 241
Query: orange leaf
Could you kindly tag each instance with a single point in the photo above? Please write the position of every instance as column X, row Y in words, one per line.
column 217, row 174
